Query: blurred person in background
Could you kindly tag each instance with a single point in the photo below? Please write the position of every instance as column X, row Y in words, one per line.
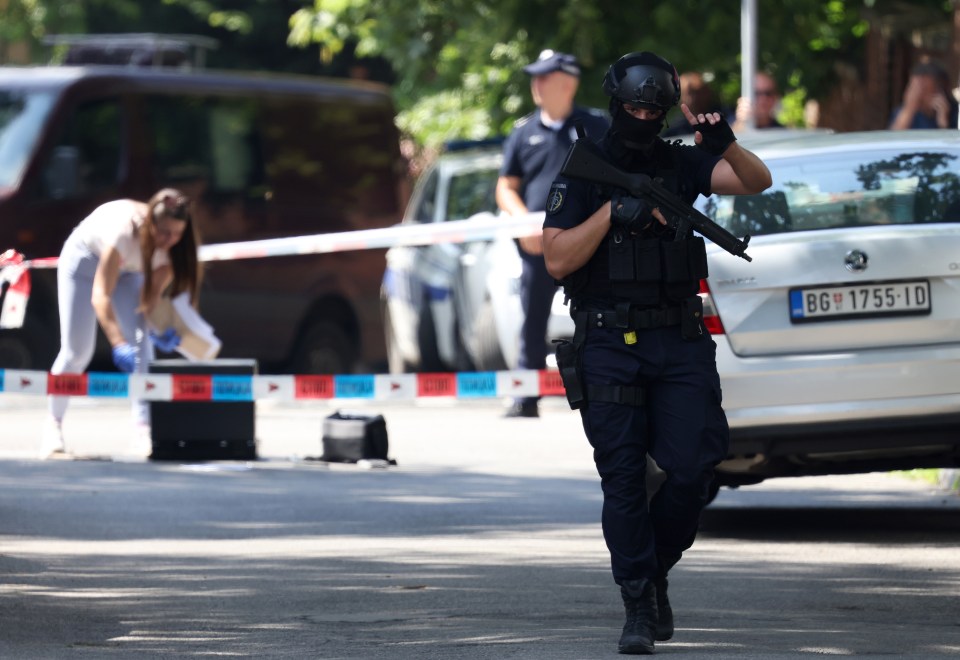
column 764, row 107
column 927, row 99
column 532, row 156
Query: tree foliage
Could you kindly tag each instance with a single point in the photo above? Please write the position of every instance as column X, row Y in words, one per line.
column 455, row 65
column 465, row 57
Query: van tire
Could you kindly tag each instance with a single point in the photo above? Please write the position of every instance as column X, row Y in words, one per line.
column 14, row 350
column 324, row 348
column 487, row 355
column 29, row 348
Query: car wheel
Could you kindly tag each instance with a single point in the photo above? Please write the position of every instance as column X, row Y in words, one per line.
column 487, row 354
column 427, row 340
column 462, row 357
column 324, row 348
column 395, row 362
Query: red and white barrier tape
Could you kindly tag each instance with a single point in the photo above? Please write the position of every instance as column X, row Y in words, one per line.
column 228, row 387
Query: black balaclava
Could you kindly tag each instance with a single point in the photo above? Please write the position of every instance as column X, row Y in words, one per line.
column 635, row 133
column 630, row 138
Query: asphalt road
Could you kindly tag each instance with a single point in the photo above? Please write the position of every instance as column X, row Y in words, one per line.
column 482, row 542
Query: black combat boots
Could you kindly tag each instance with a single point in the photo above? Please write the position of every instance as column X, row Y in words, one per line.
column 640, row 629
column 664, row 611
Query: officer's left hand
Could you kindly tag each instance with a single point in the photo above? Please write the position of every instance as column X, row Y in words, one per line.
column 632, row 213
column 713, row 133
column 167, row 341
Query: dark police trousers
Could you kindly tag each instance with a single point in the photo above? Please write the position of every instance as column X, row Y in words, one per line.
column 681, row 425
column 537, row 290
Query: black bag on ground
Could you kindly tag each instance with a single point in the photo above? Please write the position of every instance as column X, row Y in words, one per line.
column 203, row 430
column 350, row 437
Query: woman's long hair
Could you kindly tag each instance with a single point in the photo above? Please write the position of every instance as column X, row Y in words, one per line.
column 187, row 274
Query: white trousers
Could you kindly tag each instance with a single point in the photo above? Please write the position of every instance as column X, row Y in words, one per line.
column 78, row 321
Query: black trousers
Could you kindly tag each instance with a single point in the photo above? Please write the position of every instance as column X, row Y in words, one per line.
column 682, row 426
column 537, row 290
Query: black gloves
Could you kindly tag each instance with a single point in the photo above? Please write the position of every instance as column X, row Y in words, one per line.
column 630, row 213
column 716, row 137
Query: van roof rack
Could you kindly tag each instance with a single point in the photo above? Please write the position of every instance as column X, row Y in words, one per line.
column 464, row 144
column 135, row 49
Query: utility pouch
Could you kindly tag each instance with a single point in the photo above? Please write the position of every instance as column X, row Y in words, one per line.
column 620, row 259
column 676, row 263
column 691, row 317
column 697, row 258
column 647, row 259
column 571, row 372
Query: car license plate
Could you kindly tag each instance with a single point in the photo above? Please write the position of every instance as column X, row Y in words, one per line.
column 860, row 300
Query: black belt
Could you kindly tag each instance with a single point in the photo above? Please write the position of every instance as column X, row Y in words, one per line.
column 633, row 318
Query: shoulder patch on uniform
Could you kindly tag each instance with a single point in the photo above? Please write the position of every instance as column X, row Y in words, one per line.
column 556, row 197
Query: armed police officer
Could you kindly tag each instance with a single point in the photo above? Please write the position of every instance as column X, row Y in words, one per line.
column 644, row 362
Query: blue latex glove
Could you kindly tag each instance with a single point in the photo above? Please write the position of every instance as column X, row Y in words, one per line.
column 167, row 341
column 125, row 357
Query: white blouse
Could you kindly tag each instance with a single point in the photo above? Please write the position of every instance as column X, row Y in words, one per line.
column 117, row 224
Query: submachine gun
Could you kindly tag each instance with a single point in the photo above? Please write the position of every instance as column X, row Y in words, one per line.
column 584, row 161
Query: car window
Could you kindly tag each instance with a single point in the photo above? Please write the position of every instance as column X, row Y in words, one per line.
column 845, row 190
column 428, row 198
column 471, row 193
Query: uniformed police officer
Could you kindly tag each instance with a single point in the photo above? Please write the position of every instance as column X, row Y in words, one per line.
column 646, row 363
column 532, row 156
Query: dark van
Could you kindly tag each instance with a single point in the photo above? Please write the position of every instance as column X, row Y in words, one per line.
column 264, row 156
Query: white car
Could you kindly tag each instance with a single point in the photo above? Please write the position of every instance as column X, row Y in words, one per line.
column 839, row 345
column 456, row 306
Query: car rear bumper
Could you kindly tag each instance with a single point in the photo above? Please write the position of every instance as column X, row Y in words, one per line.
column 840, row 413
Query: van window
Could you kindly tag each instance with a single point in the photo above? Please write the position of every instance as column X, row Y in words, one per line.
column 210, row 148
column 22, row 116
column 198, row 138
column 343, row 148
column 92, row 138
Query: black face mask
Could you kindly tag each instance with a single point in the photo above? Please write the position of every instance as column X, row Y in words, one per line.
column 636, row 133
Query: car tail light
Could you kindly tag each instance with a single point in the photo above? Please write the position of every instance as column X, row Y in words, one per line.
column 710, row 317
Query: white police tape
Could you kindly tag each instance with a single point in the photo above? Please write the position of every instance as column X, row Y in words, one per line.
column 480, row 227
column 221, row 387
column 15, row 271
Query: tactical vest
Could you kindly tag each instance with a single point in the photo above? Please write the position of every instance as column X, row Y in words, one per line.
column 649, row 269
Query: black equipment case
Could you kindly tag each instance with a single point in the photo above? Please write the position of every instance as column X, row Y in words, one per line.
column 350, row 437
column 203, row 430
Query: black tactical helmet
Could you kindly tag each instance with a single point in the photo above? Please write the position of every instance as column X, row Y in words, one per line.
column 644, row 80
